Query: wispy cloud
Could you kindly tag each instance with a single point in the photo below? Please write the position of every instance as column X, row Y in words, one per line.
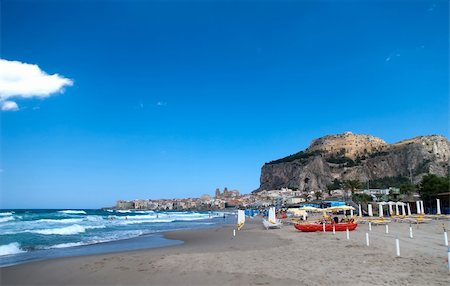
column 392, row 56
column 22, row 80
column 161, row 103
column 432, row 7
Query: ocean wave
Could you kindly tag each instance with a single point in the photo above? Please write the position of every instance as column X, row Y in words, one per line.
column 127, row 222
column 68, row 230
column 94, row 218
column 124, row 212
column 65, row 245
column 143, row 212
column 136, row 217
column 5, row 219
column 72, row 212
column 6, row 213
column 9, row 249
column 67, row 220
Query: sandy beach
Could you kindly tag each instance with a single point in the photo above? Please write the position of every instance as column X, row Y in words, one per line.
column 258, row 257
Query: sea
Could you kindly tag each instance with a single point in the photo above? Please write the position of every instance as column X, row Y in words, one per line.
column 30, row 235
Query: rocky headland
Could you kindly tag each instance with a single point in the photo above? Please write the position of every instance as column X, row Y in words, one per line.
column 351, row 156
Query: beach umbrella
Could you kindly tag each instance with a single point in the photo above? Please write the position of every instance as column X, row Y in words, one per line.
column 360, row 211
column 438, row 206
column 369, row 209
column 311, row 209
column 409, row 209
column 418, row 207
column 339, row 208
column 380, row 210
column 403, row 209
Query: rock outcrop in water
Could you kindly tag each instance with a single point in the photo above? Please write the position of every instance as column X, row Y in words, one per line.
column 350, row 156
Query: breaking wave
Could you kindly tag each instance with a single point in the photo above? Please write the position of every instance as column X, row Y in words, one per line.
column 68, row 230
column 6, row 213
column 5, row 219
column 72, row 212
column 9, row 249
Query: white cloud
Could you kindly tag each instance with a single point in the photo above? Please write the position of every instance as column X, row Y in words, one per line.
column 22, row 80
column 161, row 103
column 8, row 106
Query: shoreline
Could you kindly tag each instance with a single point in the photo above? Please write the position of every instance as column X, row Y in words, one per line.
column 256, row 257
column 143, row 242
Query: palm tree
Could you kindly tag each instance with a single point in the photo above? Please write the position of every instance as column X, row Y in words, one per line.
column 318, row 195
column 352, row 185
column 306, row 197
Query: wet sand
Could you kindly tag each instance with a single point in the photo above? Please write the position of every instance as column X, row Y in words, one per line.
column 258, row 257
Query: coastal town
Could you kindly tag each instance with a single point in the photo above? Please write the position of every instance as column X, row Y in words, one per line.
column 284, row 197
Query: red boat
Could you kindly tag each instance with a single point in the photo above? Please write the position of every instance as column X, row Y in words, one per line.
column 328, row 227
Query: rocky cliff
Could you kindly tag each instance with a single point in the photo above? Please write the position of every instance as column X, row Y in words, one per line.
column 350, row 156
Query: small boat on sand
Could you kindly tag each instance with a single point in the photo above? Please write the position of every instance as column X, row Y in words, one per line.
column 328, row 226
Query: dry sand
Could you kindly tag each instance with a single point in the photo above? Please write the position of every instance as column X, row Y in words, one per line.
column 258, row 257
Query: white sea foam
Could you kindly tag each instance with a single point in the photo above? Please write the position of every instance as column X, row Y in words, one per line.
column 6, row 213
column 68, row 230
column 97, row 239
column 67, row 220
column 5, row 219
column 72, row 212
column 94, row 218
column 143, row 212
column 127, row 222
column 124, row 212
column 134, row 217
column 9, row 249
column 66, row 245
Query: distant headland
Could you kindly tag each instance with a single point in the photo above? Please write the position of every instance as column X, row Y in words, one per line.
column 332, row 167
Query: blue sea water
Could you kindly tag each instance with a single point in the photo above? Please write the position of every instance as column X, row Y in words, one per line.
column 27, row 235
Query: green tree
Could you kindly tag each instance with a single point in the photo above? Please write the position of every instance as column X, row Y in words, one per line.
column 361, row 198
column 379, row 196
column 407, row 188
column 432, row 184
column 306, row 197
column 352, row 185
column 318, row 195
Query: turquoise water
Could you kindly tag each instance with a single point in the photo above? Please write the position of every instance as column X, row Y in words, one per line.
column 39, row 234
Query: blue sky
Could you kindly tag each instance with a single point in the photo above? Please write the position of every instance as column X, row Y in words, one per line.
column 176, row 98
